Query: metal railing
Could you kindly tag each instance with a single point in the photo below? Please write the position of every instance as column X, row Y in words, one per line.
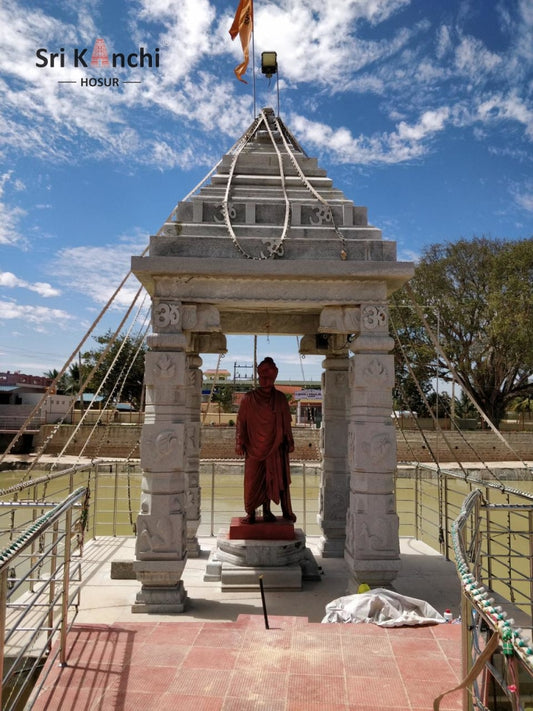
column 429, row 500
column 39, row 592
column 497, row 654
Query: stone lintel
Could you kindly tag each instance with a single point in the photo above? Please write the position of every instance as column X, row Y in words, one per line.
column 394, row 274
column 273, row 323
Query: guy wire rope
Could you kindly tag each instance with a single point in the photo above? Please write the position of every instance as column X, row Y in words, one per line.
column 53, row 384
column 82, row 388
column 100, row 360
column 452, row 370
column 112, row 392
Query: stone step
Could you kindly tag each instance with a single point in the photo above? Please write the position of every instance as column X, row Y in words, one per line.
column 295, row 193
column 313, row 249
column 271, row 230
column 262, row 179
column 268, row 164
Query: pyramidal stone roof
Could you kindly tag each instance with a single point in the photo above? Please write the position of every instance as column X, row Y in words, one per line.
column 269, row 200
column 268, row 229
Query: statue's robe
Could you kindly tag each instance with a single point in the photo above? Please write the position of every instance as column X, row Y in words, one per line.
column 264, row 433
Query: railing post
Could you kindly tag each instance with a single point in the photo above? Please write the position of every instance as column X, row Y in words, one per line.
column 530, row 517
column 66, row 587
column 96, row 471
column 212, row 498
column 446, row 519
column 53, row 571
column 3, row 611
column 304, row 490
column 488, row 540
column 466, row 644
column 416, row 484
column 115, row 500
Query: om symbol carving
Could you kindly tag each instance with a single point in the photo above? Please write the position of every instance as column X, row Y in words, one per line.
column 374, row 317
column 323, row 214
column 219, row 215
column 166, row 315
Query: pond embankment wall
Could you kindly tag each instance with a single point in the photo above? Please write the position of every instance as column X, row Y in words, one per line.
column 117, row 440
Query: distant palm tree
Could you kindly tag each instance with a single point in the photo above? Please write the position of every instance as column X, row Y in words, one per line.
column 523, row 406
column 73, row 379
column 61, row 384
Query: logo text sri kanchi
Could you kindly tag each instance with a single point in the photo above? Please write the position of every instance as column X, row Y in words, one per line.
column 99, row 58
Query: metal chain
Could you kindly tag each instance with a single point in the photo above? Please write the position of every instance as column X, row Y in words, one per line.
column 312, row 190
column 274, row 251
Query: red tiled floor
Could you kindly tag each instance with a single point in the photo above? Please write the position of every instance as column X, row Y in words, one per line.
column 240, row 666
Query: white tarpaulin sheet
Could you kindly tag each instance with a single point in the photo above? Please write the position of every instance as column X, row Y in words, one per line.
column 382, row 607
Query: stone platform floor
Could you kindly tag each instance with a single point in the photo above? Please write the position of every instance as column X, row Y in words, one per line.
column 241, row 666
column 217, row 655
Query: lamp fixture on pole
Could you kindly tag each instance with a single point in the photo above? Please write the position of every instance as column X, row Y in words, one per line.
column 269, row 63
column 269, row 67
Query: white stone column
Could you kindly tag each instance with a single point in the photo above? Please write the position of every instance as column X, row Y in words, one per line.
column 197, row 343
column 161, row 547
column 372, row 544
column 335, row 474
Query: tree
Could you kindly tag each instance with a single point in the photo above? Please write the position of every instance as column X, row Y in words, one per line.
column 121, row 371
column 478, row 296
column 223, row 394
column 414, row 358
column 61, row 385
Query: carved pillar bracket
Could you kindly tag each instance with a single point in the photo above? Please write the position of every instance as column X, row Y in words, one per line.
column 161, row 546
column 372, row 543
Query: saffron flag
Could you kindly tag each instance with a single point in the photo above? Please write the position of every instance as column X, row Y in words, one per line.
column 243, row 26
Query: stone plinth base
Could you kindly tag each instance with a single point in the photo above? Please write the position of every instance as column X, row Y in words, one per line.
column 375, row 573
column 162, row 589
column 161, row 600
column 279, row 530
column 283, row 564
column 331, row 547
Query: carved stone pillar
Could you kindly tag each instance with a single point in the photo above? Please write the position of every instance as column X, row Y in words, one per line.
column 192, row 466
column 197, row 343
column 161, row 547
column 372, row 544
column 335, row 474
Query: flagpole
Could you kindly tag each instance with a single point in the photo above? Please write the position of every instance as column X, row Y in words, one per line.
column 253, row 55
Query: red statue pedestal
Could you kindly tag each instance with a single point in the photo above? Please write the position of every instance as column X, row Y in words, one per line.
column 279, row 530
column 274, row 551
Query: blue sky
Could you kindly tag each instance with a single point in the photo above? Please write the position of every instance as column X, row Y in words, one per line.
column 419, row 109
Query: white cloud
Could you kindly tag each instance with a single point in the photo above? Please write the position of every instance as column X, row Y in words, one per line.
column 474, row 60
column 9, row 216
column 523, row 197
column 32, row 314
column 407, row 142
column 96, row 272
column 10, row 281
column 340, row 46
column 508, row 107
